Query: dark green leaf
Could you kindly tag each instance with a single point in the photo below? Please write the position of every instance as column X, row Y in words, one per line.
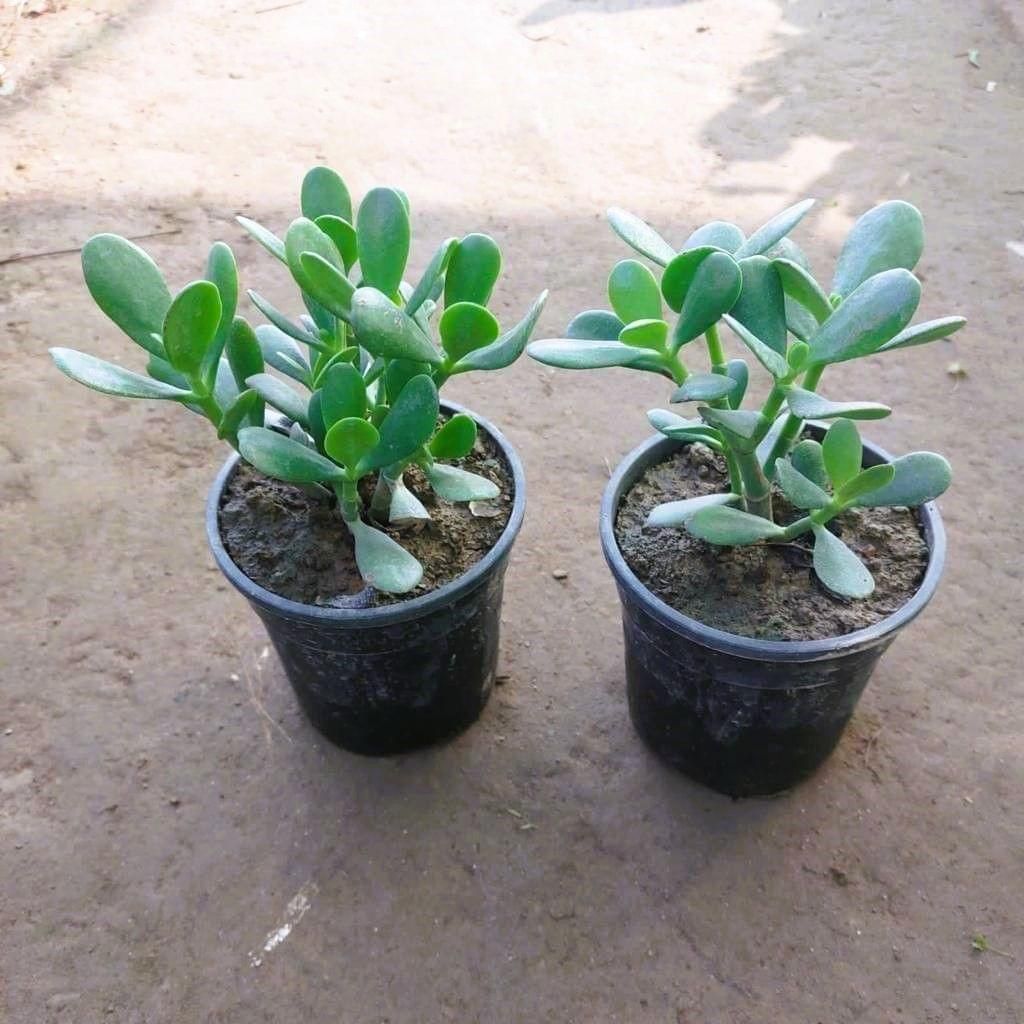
column 454, row 484
column 841, row 452
column 838, row 567
column 742, row 428
column 316, row 428
column 304, row 236
column 383, row 562
column 407, row 426
column 704, row 387
column 324, row 193
column 737, row 370
column 283, row 323
column 342, row 395
column 465, row 327
column 718, row 233
column 890, row 235
column 398, row 373
column 278, row 394
column 634, row 292
column 720, row 524
column 807, row 459
column 240, row 413
column 801, row 491
column 872, row 479
column 775, row 230
column 160, row 369
column 713, row 291
column 799, row 285
column 473, row 269
column 266, row 238
column 678, row 513
column 921, row 334
column 383, row 329
column 245, row 357
column 875, row 313
column 191, row 326
column 761, row 307
column 569, row 354
column 918, row 477
column 281, row 352
column 111, row 379
column 595, row 325
column 679, row 275
column 506, row 349
column 350, row 440
column 382, row 227
column 640, row 236
column 809, row 405
column 774, row 363
column 127, row 285
column 284, row 459
column 455, row 439
column 327, row 284
column 431, row 276
column 222, row 270
column 343, row 235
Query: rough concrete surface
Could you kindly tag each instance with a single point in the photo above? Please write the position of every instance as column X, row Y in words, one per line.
column 179, row 846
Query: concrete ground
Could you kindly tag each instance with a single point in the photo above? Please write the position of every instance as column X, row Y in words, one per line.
column 179, row 846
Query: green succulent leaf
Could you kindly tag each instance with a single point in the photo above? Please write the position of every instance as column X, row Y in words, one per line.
column 348, row 441
column 240, row 413
column 770, row 234
column 304, row 236
column 640, row 236
column 282, row 458
column 917, row 478
column 799, row 285
column 283, row 398
column 407, row 426
column 111, row 379
column 721, row 524
column 888, row 236
column 718, row 233
column 382, row 562
column 742, row 428
column 595, row 325
column 507, row 348
column 809, row 405
column 281, row 352
column 405, row 508
column 465, row 327
column 383, row 231
column 633, row 292
column 838, row 567
column 342, row 395
column 455, row 439
column 678, row 513
column 384, row 329
column 677, row 279
column 190, row 326
column 245, row 357
column 324, row 193
column 871, row 479
column 767, row 443
column 873, row 314
column 160, row 369
column 808, row 460
column 842, row 452
column 569, row 354
column 454, row 484
column 341, row 232
column 680, row 429
column 801, row 491
column 128, row 286
column 222, row 270
column 473, row 269
column 649, row 334
column 432, row 276
column 284, row 323
column 921, row 334
column 398, row 373
column 713, row 291
column 704, row 387
column 327, row 284
column 317, row 429
column 737, row 369
column 761, row 306
column 266, row 238
column 774, row 363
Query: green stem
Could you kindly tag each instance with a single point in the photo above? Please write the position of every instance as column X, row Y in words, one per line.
column 793, row 425
column 675, row 367
column 819, row 517
column 380, row 506
column 348, row 499
column 757, row 491
column 715, row 351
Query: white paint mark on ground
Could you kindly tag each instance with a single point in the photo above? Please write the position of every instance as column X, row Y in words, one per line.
column 293, row 914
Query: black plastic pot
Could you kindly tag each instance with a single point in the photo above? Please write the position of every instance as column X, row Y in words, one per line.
column 746, row 717
column 389, row 679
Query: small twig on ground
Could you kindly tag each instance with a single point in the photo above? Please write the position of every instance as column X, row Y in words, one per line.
column 20, row 257
column 278, row 7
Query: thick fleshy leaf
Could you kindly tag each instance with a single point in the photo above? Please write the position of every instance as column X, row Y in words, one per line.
column 809, row 405
column 240, row 413
column 569, row 354
column 432, row 276
column 737, row 369
column 327, row 284
column 640, row 236
column 343, row 235
column 888, row 236
column 407, row 426
column 917, row 478
column 383, row 563
column 398, row 373
column 222, row 270
column 775, row 230
column 507, row 348
column 921, row 334
column 304, row 236
column 190, row 326
column 284, row 459
column 281, row 352
column 677, row 513
column 799, row 285
column 128, row 286
column 650, row 334
column 838, row 567
column 225, row 387
column 473, row 269
column 871, row 479
column 681, row 429
column 350, row 440
column 283, row 398
column 633, row 292
column 455, row 439
column 405, row 508
column 464, row 327
column 712, row 292
column 595, row 325
column 316, row 427
column 284, row 324
column 842, row 452
column 111, row 379
column 873, row 314
column 761, row 307
column 774, row 363
column 808, row 460
column 704, row 387
column 743, row 428
column 383, row 329
column 342, row 394
column 803, row 493
column 323, row 192
column 719, row 233
column 383, row 231
column 245, row 357
column 721, row 524
column 679, row 274
column 767, row 443
column 454, row 484
column 160, row 369
column 266, row 238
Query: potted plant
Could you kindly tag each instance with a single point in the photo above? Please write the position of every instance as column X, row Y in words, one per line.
column 765, row 556
column 367, row 522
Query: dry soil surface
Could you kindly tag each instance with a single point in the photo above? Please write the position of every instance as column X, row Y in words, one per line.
column 179, row 846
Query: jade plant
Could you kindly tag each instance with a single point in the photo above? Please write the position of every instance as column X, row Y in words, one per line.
column 364, row 354
column 761, row 287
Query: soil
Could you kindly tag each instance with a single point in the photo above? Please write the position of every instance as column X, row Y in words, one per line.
column 177, row 844
column 295, row 544
column 765, row 591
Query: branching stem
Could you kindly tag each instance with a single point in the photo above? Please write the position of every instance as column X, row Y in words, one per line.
column 793, row 425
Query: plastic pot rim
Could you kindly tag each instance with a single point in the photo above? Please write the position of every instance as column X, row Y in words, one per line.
column 384, row 615
column 657, row 448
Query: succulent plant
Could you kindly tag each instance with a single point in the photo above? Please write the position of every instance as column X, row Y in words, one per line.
column 762, row 288
column 364, row 355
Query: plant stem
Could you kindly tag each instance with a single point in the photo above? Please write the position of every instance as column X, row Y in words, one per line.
column 757, row 491
column 819, row 517
column 715, row 351
column 793, row 425
column 348, row 499
column 380, row 506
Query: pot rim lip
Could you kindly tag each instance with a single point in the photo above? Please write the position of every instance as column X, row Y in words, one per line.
column 383, row 615
column 752, row 647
